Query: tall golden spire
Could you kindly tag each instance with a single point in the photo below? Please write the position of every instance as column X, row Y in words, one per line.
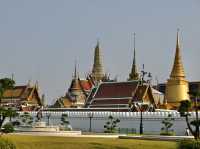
column 177, row 86
column 134, row 74
column 97, row 70
column 178, row 70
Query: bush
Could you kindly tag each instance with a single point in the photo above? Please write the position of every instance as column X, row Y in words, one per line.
column 8, row 128
column 111, row 124
column 189, row 144
column 169, row 133
column 6, row 144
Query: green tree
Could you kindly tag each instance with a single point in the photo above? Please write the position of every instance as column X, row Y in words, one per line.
column 6, row 112
column 64, row 119
column 111, row 124
column 184, row 109
column 5, row 83
column 168, row 123
column 65, row 124
column 26, row 119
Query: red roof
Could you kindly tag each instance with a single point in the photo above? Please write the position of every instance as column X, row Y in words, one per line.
column 116, row 89
column 86, row 85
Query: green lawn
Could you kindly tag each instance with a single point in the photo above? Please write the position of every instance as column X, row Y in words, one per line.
column 39, row 142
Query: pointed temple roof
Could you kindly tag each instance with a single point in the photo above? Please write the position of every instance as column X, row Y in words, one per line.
column 97, row 70
column 134, row 74
column 178, row 70
column 78, row 84
column 75, row 86
column 119, row 94
column 25, row 92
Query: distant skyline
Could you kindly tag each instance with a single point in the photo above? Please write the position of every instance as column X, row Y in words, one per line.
column 41, row 39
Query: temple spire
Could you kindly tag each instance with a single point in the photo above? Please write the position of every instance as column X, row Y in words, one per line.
column 134, row 74
column 75, row 70
column 178, row 70
column 177, row 86
column 97, row 70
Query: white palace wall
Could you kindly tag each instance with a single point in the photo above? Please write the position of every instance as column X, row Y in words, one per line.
column 151, row 120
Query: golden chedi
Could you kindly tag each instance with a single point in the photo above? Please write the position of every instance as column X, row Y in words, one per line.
column 177, row 86
column 97, row 70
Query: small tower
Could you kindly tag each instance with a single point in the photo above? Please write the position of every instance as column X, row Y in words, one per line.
column 134, row 75
column 177, row 85
column 75, row 88
column 97, row 70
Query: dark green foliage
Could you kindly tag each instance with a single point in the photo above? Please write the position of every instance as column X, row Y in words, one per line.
column 195, row 123
column 6, row 112
column 169, row 133
column 111, row 124
column 65, row 125
column 5, row 83
column 168, row 123
column 6, row 144
column 15, row 123
column 64, row 119
column 184, row 107
column 189, row 144
column 8, row 128
column 26, row 119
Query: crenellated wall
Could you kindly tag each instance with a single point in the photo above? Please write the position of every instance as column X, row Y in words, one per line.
column 151, row 120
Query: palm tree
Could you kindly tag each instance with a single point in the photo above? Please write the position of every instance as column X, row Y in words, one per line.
column 184, row 109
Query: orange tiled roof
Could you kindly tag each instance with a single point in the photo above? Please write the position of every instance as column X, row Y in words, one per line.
column 16, row 92
column 86, row 84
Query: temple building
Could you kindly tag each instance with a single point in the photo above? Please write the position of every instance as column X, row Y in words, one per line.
column 80, row 89
column 130, row 95
column 24, row 98
column 122, row 96
column 177, row 85
column 76, row 94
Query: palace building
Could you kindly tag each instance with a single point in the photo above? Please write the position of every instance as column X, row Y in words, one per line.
column 76, row 94
column 125, row 96
column 80, row 88
column 25, row 98
column 98, row 92
column 122, row 96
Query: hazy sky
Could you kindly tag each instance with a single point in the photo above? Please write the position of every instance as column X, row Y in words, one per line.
column 40, row 39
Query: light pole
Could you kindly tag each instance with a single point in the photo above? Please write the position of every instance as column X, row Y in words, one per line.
column 143, row 73
column 139, row 105
column 48, row 118
column 90, row 115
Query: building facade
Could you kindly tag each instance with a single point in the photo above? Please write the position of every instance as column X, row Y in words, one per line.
column 23, row 98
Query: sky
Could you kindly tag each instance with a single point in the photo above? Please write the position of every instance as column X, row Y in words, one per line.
column 41, row 39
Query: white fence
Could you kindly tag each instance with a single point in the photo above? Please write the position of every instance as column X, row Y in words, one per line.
column 151, row 120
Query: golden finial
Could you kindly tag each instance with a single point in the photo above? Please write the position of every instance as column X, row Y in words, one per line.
column 178, row 70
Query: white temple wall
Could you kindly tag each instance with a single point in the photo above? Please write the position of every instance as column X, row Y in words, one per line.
column 151, row 120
